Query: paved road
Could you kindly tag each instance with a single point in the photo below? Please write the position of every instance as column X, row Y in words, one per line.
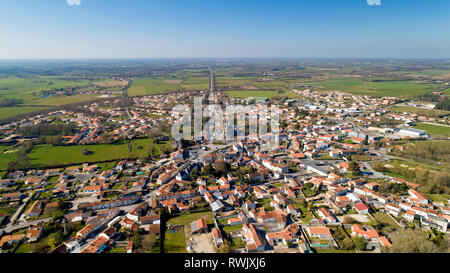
column 9, row 229
column 18, row 211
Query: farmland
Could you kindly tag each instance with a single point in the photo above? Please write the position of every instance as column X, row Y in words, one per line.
column 29, row 96
column 13, row 111
column 49, row 155
column 246, row 94
column 419, row 111
column 381, row 88
column 150, row 86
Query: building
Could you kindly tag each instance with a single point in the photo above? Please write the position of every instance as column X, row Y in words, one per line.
column 409, row 132
column 199, row 226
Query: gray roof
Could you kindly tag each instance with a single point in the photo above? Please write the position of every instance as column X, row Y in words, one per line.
column 216, row 205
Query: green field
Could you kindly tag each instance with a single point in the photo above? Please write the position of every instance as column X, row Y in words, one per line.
column 29, row 89
column 385, row 219
column 6, row 112
column 419, row 111
column 187, row 219
column 56, row 101
column 403, row 89
column 246, row 94
column 149, row 86
column 49, row 155
column 435, row 130
column 175, row 242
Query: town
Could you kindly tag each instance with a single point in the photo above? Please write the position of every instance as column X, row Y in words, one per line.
column 342, row 179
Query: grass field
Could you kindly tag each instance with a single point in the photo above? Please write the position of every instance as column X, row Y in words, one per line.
column 6, row 155
column 434, row 129
column 442, row 198
column 149, row 86
column 246, row 94
column 385, row 219
column 403, row 89
column 419, row 111
column 187, row 219
column 6, row 112
column 29, row 89
column 175, row 242
column 49, row 155
column 56, row 101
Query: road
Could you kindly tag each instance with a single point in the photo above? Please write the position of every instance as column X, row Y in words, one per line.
column 10, row 229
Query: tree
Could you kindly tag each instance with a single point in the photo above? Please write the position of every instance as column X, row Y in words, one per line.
column 412, row 241
column 225, row 247
column 360, row 242
column 347, row 244
column 53, row 242
column 136, row 240
column 208, row 170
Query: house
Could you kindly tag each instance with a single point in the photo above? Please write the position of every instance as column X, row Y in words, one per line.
column 361, row 208
column 151, row 219
column 217, row 237
column 11, row 239
column 253, row 239
column 35, row 232
column 199, row 226
column 34, row 210
column 289, row 234
column 319, row 232
column 327, row 216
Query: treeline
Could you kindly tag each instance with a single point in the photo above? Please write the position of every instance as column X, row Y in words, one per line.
column 443, row 105
column 47, row 129
column 22, row 161
column 435, row 182
column 429, row 97
column 7, row 102
column 432, row 150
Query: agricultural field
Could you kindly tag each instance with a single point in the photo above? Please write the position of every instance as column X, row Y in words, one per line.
column 56, row 101
column 28, row 92
column 388, row 88
column 419, row 111
column 49, row 155
column 29, row 89
column 245, row 94
column 434, row 130
column 6, row 112
column 149, row 86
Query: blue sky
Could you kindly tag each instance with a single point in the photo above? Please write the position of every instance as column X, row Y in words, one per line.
column 224, row 28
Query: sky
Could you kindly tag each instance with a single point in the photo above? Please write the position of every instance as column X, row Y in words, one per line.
column 73, row 29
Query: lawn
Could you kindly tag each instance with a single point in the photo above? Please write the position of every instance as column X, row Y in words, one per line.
column 385, row 219
column 236, row 243
column 187, row 219
column 175, row 242
column 434, row 129
column 232, row 228
column 439, row 198
column 24, row 248
column 333, row 250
